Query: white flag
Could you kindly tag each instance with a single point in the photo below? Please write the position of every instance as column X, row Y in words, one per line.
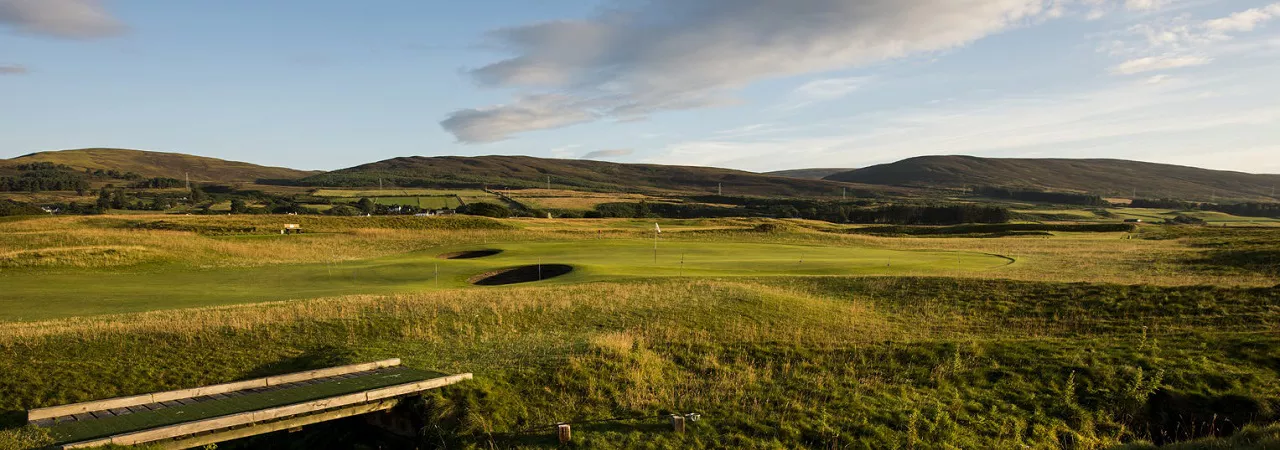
column 657, row 228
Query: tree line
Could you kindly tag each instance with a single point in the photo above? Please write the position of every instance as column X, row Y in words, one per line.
column 1062, row 198
column 1249, row 209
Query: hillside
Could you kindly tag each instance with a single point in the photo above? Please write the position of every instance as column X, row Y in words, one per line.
column 807, row 174
column 1106, row 177
column 529, row 172
column 158, row 164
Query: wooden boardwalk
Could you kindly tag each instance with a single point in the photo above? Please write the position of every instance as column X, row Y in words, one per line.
column 194, row 417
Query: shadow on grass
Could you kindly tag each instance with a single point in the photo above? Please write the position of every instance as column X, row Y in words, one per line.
column 12, row 419
column 547, row 437
column 316, row 358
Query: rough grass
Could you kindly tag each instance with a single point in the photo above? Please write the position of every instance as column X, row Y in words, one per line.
column 807, row 362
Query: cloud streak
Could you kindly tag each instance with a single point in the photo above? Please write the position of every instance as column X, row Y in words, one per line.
column 602, row 154
column 647, row 56
column 71, row 19
column 13, row 69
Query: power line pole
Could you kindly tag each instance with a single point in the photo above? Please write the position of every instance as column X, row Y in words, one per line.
column 719, row 189
column 188, row 177
column 548, row 182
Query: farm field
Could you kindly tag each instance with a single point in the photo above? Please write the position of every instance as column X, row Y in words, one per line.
column 571, row 200
column 781, row 333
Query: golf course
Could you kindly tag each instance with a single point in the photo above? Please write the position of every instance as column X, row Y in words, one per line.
column 1002, row 336
column 62, row 293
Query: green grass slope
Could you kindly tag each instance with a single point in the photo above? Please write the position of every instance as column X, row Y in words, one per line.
column 39, row 294
column 530, row 172
column 159, row 164
column 1106, row 177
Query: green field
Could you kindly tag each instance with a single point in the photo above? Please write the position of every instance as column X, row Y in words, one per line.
column 53, row 294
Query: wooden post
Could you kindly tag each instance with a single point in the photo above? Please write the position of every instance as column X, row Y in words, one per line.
column 563, row 432
column 677, row 423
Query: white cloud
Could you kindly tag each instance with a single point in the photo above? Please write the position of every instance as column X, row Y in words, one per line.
column 1174, row 42
column 82, row 19
column 644, row 56
column 1244, row 20
column 1144, row 5
column 613, row 153
column 1154, row 63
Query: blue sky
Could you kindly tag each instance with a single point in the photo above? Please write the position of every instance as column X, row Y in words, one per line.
column 747, row 84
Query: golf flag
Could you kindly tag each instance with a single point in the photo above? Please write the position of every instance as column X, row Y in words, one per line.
column 656, row 228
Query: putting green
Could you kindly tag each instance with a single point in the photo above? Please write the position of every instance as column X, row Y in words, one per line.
column 45, row 294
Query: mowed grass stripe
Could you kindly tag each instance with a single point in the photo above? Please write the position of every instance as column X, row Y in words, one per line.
column 67, row 432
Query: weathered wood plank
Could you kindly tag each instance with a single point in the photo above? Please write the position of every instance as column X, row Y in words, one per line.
column 119, row 402
column 270, row 414
column 223, row 436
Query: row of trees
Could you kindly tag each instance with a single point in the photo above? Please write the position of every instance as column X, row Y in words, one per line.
column 1062, row 198
column 860, row 212
column 1251, row 209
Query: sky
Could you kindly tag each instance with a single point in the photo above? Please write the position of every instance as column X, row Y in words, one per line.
column 756, row 85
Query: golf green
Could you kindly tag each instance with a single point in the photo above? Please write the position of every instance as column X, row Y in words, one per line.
column 47, row 294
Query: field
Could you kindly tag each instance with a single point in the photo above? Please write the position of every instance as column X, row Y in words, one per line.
column 782, row 334
column 571, row 200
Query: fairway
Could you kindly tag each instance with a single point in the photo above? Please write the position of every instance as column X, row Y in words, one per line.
column 66, row 293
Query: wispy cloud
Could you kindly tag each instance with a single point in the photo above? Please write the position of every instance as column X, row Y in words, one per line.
column 1174, row 42
column 1154, row 63
column 77, row 19
column 824, row 90
column 12, row 69
column 613, row 153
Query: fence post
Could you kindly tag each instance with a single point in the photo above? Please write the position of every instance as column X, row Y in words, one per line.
column 563, row 432
column 677, row 423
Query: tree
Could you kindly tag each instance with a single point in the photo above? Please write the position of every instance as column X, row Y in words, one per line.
column 238, row 206
column 117, row 200
column 367, row 206
column 104, row 199
column 197, row 195
column 343, row 210
column 485, row 209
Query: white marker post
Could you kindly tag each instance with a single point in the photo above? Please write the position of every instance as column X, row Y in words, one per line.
column 656, row 231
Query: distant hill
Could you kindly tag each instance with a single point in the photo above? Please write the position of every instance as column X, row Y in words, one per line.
column 157, row 164
column 807, row 174
column 528, row 172
column 1106, row 177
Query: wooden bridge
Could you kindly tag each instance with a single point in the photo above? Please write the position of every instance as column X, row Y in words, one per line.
column 205, row 415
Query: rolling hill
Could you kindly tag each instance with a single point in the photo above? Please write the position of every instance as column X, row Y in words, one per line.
column 807, row 174
column 528, row 172
column 1106, row 177
column 158, row 164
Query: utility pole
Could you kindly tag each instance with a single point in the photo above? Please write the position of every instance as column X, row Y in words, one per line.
column 719, row 189
column 188, row 176
column 548, row 182
column 379, row 184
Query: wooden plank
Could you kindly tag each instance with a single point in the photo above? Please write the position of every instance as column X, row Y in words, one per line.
column 238, row 433
column 120, row 402
column 233, row 420
column 332, row 371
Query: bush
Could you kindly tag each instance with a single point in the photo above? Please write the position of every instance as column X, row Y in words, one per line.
column 12, row 208
column 486, row 210
column 343, row 210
